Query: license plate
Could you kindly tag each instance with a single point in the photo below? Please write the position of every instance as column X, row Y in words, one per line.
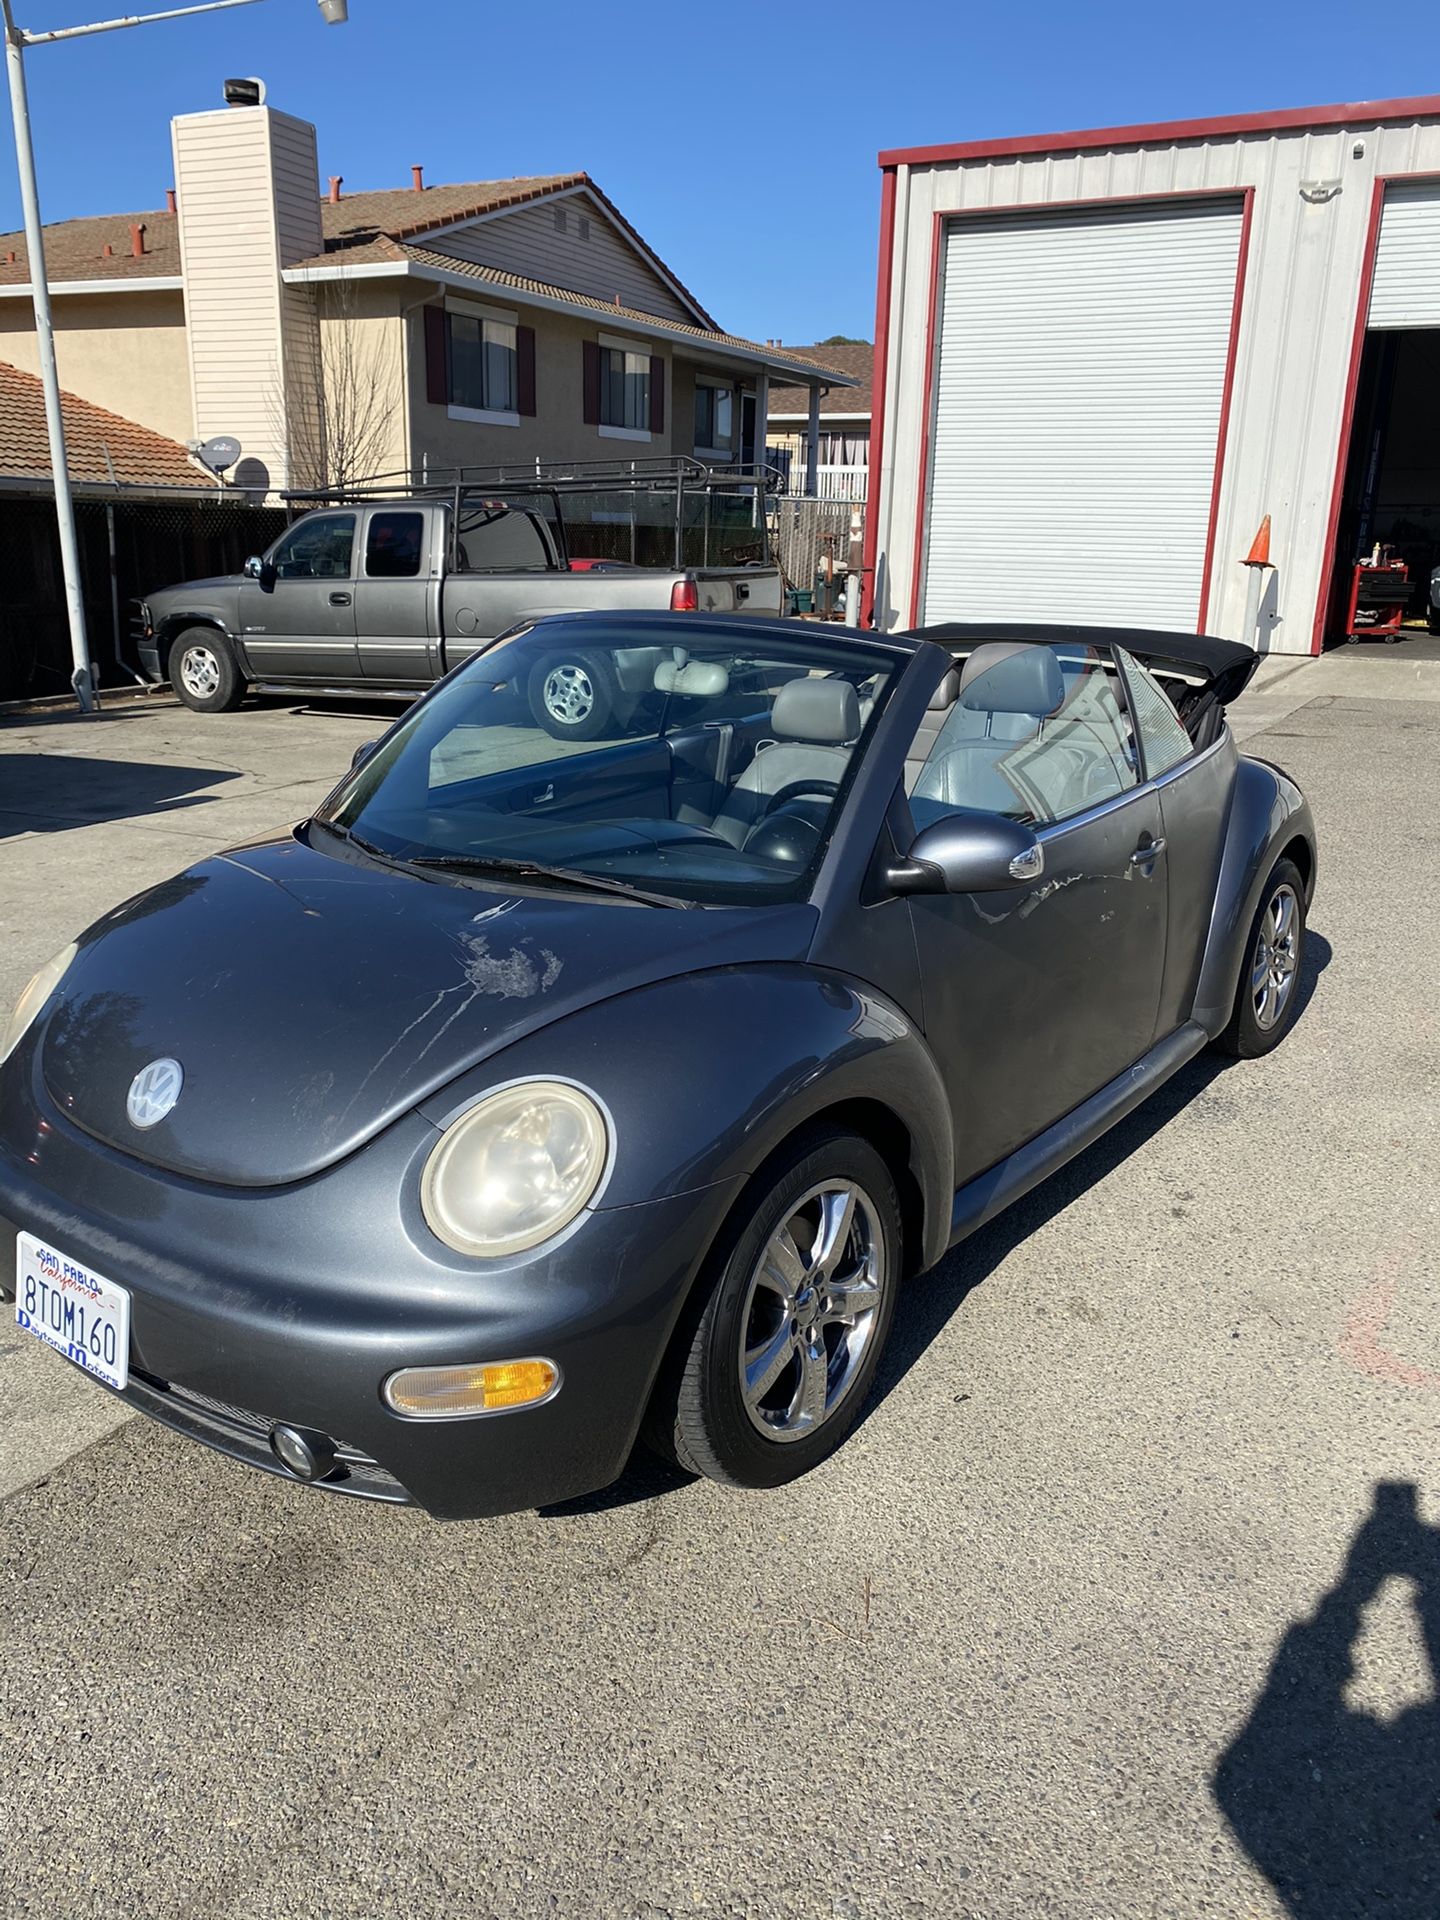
column 79, row 1313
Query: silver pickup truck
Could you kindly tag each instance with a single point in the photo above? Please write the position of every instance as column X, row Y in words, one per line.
column 386, row 596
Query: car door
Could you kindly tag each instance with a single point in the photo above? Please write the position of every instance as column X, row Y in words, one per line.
column 395, row 595
column 297, row 622
column 1036, row 997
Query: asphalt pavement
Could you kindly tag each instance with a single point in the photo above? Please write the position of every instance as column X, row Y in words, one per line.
column 1123, row 1600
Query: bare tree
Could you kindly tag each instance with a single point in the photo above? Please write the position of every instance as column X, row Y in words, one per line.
column 340, row 395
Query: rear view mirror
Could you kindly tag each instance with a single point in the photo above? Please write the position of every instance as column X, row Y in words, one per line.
column 969, row 852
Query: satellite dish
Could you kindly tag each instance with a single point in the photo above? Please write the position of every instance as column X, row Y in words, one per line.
column 218, row 454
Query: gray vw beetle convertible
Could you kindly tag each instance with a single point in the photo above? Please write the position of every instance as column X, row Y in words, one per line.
column 535, row 1094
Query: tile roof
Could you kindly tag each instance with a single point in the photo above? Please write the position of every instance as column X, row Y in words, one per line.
column 75, row 249
column 605, row 309
column 363, row 227
column 139, row 458
column 383, row 227
column 856, row 360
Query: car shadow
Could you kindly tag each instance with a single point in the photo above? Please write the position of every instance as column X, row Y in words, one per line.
column 927, row 1306
column 52, row 792
column 1337, row 1806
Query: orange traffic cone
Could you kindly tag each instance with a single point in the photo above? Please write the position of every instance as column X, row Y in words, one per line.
column 1259, row 554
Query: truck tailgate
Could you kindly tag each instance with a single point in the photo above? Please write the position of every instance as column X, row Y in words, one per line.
column 739, row 590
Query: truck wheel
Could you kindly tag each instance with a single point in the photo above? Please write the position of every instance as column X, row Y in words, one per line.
column 204, row 673
column 572, row 696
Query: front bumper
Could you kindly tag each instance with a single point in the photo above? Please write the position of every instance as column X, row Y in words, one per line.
column 255, row 1306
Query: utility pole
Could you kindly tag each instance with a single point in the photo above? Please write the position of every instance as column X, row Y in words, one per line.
column 334, row 13
column 82, row 678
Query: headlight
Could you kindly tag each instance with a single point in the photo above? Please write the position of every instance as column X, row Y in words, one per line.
column 516, row 1168
column 34, row 998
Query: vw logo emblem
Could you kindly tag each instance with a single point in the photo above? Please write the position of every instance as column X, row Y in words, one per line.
column 153, row 1092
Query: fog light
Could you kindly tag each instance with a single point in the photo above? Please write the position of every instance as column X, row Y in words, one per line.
column 455, row 1393
column 309, row 1456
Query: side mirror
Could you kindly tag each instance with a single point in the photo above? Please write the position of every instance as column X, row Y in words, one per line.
column 362, row 753
column 257, row 569
column 969, row 852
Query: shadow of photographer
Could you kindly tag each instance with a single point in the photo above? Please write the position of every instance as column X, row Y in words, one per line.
column 1338, row 1808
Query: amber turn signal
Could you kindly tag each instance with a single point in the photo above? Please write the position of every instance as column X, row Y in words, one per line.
column 457, row 1393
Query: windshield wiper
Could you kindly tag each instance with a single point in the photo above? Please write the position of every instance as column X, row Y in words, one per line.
column 353, row 839
column 481, row 863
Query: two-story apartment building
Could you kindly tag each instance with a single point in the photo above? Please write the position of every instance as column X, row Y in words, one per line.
column 398, row 331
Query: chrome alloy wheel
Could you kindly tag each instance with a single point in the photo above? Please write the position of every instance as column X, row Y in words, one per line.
column 811, row 1310
column 199, row 672
column 569, row 694
column 1276, row 957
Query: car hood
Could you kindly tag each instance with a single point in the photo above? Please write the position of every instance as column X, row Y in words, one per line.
column 310, row 1000
column 188, row 588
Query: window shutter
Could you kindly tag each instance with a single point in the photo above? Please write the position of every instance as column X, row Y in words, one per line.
column 437, row 376
column 592, row 383
column 657, row 393
column 525, row 370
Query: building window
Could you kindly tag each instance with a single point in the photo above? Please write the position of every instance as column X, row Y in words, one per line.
column 624, row 389
column 483, row 371
column 583, row 223
column 714, row 418
column 561, row 223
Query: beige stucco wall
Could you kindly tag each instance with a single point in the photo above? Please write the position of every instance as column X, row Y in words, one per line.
column 366, row 400
column 123, row 351
column 558, row 430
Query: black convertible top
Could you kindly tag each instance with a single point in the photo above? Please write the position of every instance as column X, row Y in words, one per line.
column 1222, row 667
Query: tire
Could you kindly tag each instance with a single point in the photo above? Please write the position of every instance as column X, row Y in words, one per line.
column 572, row 696
column 1432, row 615
column 1265, row 1007
column 204, row 673
column 755, row 1301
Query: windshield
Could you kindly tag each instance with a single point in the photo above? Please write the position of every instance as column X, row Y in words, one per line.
column 709, row 772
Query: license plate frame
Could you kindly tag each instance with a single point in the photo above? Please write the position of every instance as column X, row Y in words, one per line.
column 73, row 1310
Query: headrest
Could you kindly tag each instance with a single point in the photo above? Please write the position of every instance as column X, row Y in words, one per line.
column 702, row 677
column 826, row 712
column 1011, row 676
column 946, row 694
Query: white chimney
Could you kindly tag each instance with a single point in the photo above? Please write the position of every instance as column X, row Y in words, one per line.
column 248, row 185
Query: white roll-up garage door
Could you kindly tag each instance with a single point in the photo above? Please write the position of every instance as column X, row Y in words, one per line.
column 1405, row 291
column 1079, row 385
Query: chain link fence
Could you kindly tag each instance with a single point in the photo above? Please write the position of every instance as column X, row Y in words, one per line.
column 127, row 549
column 808, row 532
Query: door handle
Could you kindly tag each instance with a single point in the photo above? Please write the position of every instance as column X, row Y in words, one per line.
column 339, row 599
column 1146, row 852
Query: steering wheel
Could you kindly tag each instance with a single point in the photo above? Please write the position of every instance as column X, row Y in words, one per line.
column 796, row 789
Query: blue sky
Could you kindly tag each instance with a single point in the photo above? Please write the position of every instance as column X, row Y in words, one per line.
column 740, row 140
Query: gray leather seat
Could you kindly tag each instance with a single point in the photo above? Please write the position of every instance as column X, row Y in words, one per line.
column 816, row 724
column 928, row 732
column 1007, row 692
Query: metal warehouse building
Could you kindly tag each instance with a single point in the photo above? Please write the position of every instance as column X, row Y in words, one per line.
column 1103, row 358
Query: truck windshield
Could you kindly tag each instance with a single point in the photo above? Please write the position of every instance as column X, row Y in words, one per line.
column 710, row 772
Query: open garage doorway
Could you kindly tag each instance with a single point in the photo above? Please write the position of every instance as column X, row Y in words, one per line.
column 1390, row 509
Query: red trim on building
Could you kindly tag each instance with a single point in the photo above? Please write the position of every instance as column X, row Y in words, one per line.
column 1352, row 386
column 1356, row 113
column 1246, row 194
column 932, row 314
column 1227, row 394
column 883, row 274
